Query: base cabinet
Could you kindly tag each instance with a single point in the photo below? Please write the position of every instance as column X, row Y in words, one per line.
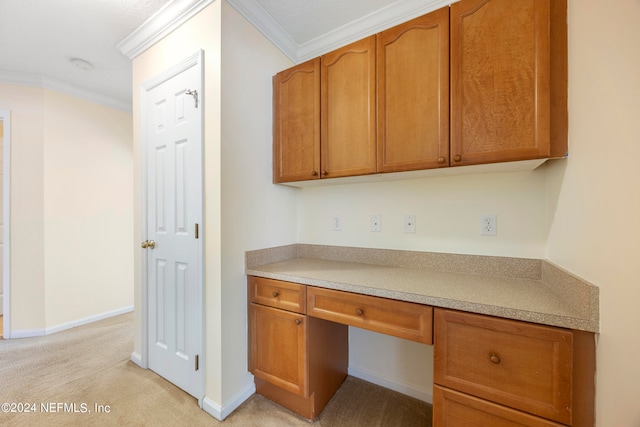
column 488, row 371
column 500, row 367
column 298, row 361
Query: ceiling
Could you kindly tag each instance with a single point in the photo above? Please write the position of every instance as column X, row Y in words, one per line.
column 39, row 39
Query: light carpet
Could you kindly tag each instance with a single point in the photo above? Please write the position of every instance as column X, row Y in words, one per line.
column 88, row 368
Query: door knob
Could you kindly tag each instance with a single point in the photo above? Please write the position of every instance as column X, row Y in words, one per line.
column 148, row 244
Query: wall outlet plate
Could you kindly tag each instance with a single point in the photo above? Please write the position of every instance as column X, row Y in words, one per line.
column 336, row 223
column 488, row 225
column 409, row 223
column 376, row 223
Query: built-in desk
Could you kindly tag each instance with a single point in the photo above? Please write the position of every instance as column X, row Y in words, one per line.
column 513, row 338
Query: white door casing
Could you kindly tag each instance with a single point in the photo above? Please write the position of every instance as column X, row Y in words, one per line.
column 172, row 188
column 5, row 117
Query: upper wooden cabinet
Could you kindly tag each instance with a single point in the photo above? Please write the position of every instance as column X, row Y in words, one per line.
column 324, row 115
column 482, row 81
column 296, row 123
column 413, row 94
column 348, row 135
column 508, row 80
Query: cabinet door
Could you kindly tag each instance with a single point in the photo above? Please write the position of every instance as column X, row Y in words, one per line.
column 348, row 110
column 501, row 75
column 296, row 127
column 413, row 94
column 277, row 348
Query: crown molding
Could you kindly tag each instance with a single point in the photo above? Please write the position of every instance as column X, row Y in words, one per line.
column 160, row 24
column 387, row 17
column 34, row 80
column 264, row 22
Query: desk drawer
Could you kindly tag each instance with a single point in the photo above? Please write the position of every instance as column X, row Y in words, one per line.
column 276, row 293
column 525, row 366
column 454, row 409
column 398, row 318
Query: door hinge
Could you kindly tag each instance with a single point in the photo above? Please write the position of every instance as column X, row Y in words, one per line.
column 197, row 362
column 197, row 233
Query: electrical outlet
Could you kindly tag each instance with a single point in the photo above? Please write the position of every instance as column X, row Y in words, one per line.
column 409, row 223
column 336, row 223
column 376, row 223
column 488, row 225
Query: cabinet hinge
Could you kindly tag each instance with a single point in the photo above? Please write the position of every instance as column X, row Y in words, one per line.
column 197, row 362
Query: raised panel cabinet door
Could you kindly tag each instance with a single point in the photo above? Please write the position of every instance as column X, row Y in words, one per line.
column 296, row 123
column 506, row 56
column 413, row 94
column 277, row 348
column 348, row 136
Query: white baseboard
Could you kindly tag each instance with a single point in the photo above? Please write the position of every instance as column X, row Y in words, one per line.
column 137, row 359
column 29, row 333
column 407, row 389
column 221, row 412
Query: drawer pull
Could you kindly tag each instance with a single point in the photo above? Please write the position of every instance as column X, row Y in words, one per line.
column 359, row 312
column 275, row 294
column 298, row 321
column 494, row 358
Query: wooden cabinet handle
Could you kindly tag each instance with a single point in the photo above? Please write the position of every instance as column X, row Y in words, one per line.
column 314, row 173
column 359, row 312
column 441, row 160
column 298, row 321
column 494, row 358
column 457, row 157
column 275, row 294
column 325, row 173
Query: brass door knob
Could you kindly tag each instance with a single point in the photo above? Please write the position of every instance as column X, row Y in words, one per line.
column 148, row 244
column 457, row 157
column 441, row 160
column 494, row 358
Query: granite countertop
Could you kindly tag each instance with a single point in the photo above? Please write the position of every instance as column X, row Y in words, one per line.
column 522, row 289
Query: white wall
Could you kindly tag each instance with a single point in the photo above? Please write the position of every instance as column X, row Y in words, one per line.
column 595, row 196
column 255, row 213
column 71, row 209
column 88, row 209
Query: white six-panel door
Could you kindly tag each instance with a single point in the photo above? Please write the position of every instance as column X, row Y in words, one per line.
column 174, row 213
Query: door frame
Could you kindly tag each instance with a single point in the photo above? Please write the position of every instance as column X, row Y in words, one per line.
column 195, row 60
column 5, row 117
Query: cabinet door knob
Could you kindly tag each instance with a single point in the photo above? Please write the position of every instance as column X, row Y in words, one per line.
column 298, row 321
column 275, row 294
column 441, row 160
column 325, row 173
column 494, row 358
column 457, row 157
column 314, row 173
column 359, row 312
